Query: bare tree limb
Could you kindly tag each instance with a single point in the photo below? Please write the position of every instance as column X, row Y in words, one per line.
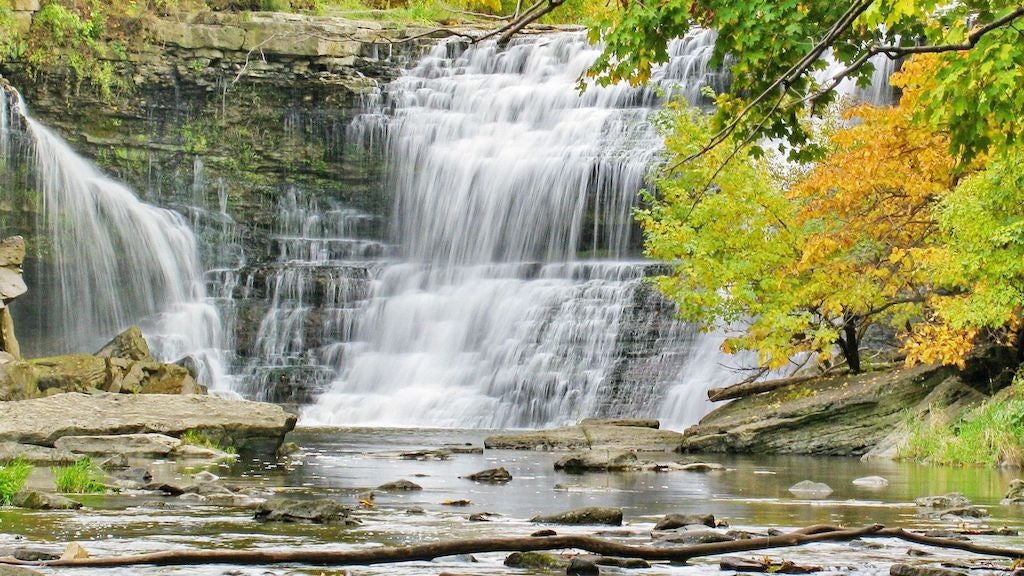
column 896, row 51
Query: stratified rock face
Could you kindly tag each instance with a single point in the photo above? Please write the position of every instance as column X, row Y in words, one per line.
column 247, row 426
column 218, row 116
column 837, row 416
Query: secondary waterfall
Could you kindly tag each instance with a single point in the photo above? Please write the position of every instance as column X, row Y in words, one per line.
column 518, row 299
column 110, row 260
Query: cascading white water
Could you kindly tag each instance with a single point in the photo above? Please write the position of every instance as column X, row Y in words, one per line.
column 314, row 289
column 116, row 260
column 504, row 175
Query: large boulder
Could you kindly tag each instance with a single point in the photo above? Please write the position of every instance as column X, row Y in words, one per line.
column 836, row 416
column 246, row 426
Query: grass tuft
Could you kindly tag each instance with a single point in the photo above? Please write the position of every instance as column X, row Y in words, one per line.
column 12, row 479
column 82, row 477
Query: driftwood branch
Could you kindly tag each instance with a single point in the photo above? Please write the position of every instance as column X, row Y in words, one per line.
column 744, row 389
column 902, row 534
column 425, row 552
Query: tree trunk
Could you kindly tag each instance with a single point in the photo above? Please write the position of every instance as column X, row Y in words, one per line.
column 849, row 343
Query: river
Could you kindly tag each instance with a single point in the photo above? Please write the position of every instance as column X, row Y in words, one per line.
column 752, row 494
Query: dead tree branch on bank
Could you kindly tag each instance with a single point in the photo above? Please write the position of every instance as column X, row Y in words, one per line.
column 426, row 552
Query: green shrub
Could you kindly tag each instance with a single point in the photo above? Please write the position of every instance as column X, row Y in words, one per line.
column 82, row 477
column 12, row 479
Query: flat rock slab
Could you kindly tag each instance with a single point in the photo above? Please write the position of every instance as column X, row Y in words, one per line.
column 602, row 437
column 141, row 445
column 36, row 455
column 248, row 426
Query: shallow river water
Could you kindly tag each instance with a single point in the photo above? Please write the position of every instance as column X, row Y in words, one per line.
column 342, row 463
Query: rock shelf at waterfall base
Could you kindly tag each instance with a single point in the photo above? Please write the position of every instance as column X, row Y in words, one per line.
column 247, row 426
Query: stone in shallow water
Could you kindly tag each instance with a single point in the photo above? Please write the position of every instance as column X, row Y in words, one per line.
column 491, row 476
column 1015, row 493
column 322, row 511
column 871, row 482
column 400, row 486
column 951, row 500
column 810, row 489
column 589, row 515
column 673, row 521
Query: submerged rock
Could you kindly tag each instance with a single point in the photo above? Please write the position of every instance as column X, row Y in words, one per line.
column 588, row 515
column 491, row 476
column 322, row 511
column 701, row 467
column 951, row 500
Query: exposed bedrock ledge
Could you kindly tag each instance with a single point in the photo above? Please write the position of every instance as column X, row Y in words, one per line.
column 837, row 416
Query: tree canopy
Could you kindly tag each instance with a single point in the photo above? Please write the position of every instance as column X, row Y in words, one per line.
column 911, row 215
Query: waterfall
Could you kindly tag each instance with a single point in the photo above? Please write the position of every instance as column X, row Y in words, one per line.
column 110, row 259
column 518, row 298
